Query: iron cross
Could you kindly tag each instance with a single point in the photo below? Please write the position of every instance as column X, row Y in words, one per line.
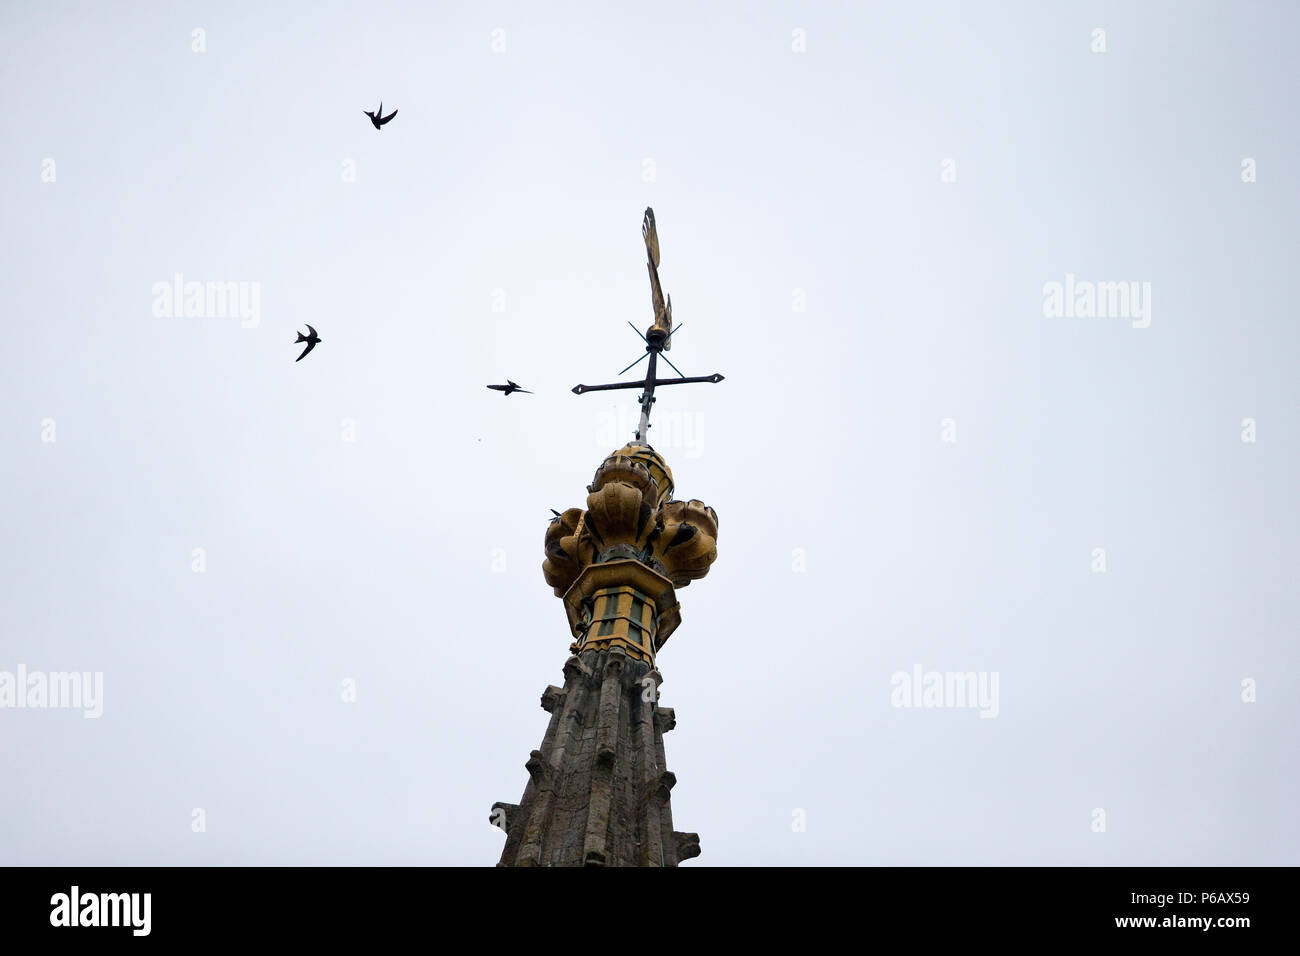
column 658, row 338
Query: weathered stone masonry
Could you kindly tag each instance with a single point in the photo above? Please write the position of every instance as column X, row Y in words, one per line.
column 599, row 789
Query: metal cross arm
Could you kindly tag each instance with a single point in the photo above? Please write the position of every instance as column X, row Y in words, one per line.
column 714, row 378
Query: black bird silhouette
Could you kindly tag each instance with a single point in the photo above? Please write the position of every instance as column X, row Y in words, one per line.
column 312, row 341
column 377, row 117
column 509, row 388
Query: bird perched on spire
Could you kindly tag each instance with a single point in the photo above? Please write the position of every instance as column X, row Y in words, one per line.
column 377, row 118
column 312, row 341
column 509, row 388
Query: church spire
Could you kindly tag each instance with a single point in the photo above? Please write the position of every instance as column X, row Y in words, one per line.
column 598, row 789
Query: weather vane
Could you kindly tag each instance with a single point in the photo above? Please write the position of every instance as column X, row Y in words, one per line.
column 658, row 338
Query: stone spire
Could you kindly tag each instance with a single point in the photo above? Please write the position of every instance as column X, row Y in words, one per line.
column 599, row 787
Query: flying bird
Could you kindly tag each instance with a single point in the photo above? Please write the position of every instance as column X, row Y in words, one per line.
column 377, row 117
column 509, row 388
column 312, row 341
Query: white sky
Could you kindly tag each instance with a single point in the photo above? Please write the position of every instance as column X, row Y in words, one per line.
column 775, row 171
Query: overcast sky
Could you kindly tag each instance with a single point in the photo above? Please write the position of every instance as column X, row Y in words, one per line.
column 914, row 464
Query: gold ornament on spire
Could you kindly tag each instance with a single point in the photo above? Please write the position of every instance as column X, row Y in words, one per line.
column 616, row 564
